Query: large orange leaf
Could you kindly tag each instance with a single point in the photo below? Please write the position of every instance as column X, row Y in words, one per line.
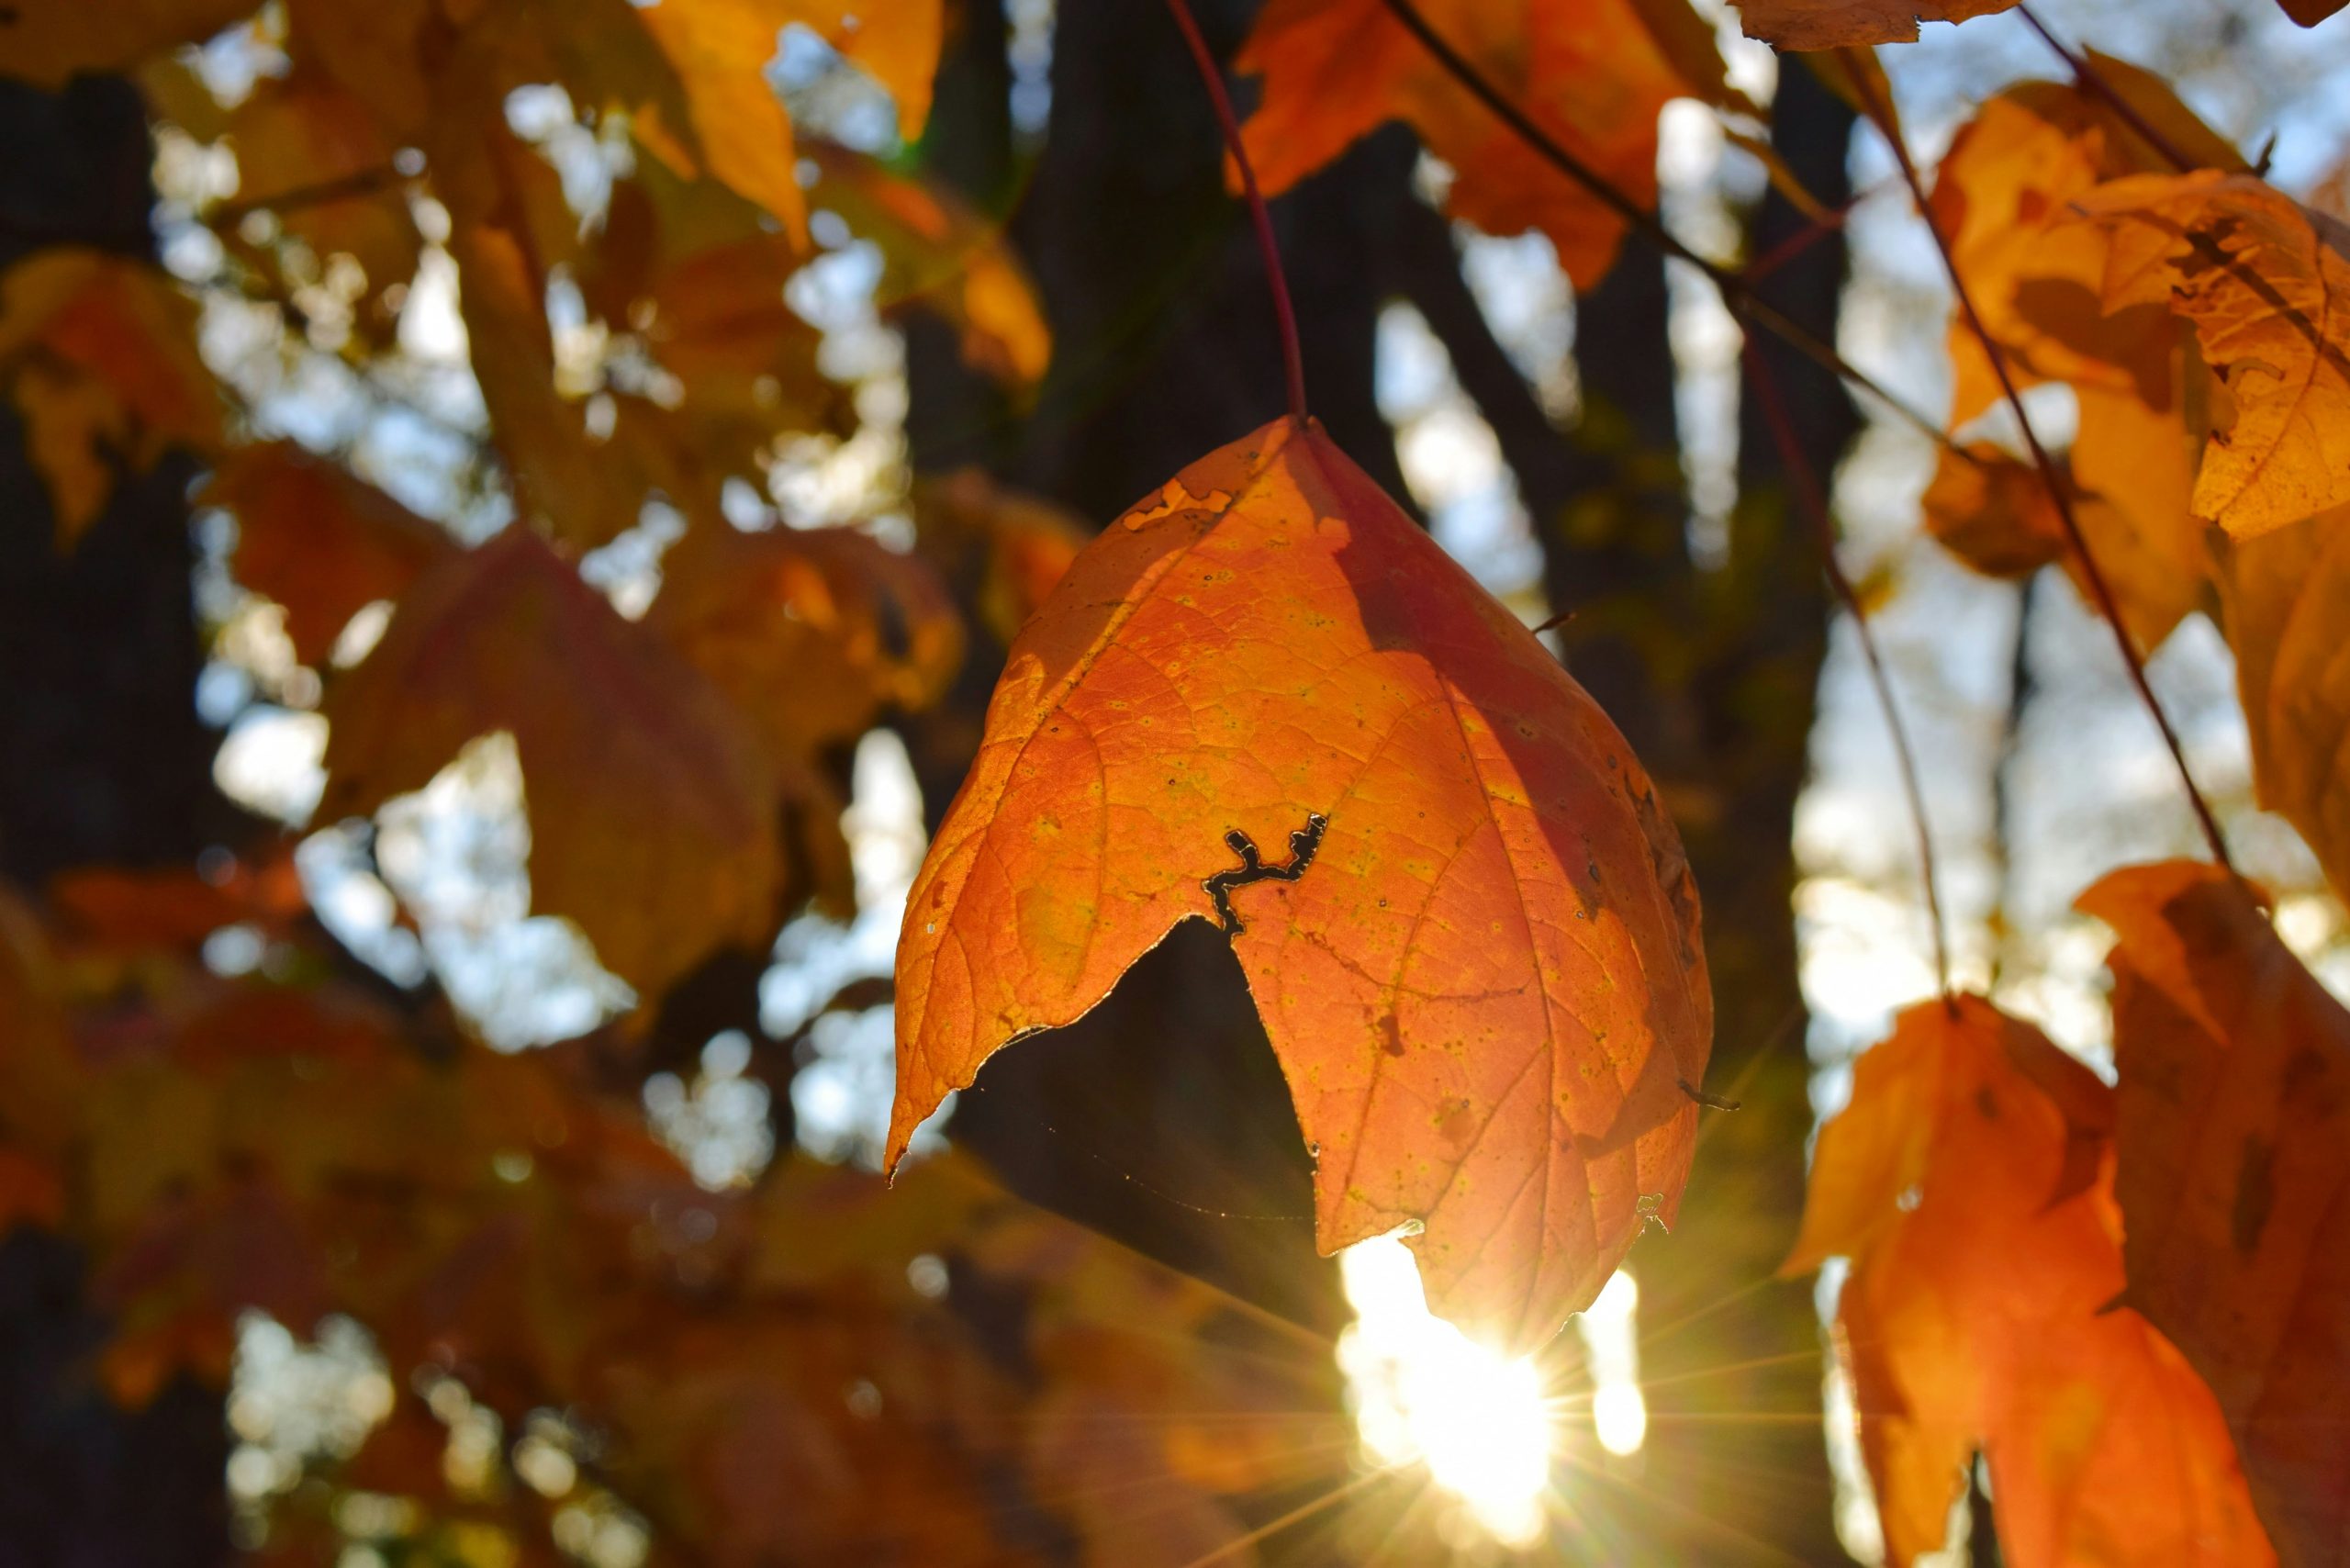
column 2267, row 284
column 1593, row 73
column 1968, row 1181
column 1481, row 968
column 653, row 813
column 2235, row 1178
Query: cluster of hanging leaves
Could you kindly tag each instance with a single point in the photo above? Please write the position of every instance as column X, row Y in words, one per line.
column 2129, row 1300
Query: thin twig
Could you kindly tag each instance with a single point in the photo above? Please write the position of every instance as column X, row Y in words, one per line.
column 1292, row 360
column 1737, row 293
column 2058, row 492
column 2092, row 81
column 1809, row 496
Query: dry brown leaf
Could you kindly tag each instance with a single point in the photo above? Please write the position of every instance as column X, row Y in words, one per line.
column 1835, row 24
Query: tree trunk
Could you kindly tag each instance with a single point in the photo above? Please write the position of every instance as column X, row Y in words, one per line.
column 1763, row 638
column 102, row 761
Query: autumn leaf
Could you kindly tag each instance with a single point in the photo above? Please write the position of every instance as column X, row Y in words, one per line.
column 1594, row 74
column 937, row 253
column 1968, row 1181
column 1009, row 550
column 1834, row 24
column 319, row 540
column 49, row 44
column 98, row 354
column 2234, row 1177
column 296, row 140
column 2004, row 198
column 720, row 49
column 1485, row 988
column 2267, row 284
column 813, row 633
column 699, row 275
column 1994, row 512
column 2283, row 597
column 653, row 813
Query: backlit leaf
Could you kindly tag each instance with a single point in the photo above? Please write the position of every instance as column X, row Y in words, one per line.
column 811, row 632
column 1486, row 990
column 303, row 135
column 2267, row 284
column 653, row 813
column 937, row 253
column 1594, row 73
column 1968, row 1181
column 2003, row 197
column 319, row 540
column 2234, row 1176
column 1994, row 512
column 2284, row 597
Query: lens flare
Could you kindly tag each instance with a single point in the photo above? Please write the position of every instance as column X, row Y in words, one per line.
column 1424, row 1392
column 1611, row 1350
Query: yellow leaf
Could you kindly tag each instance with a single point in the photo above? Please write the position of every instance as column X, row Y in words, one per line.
column 720, row 49
column 2004, row 198
column 2267, row 284
column 2285, row 598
